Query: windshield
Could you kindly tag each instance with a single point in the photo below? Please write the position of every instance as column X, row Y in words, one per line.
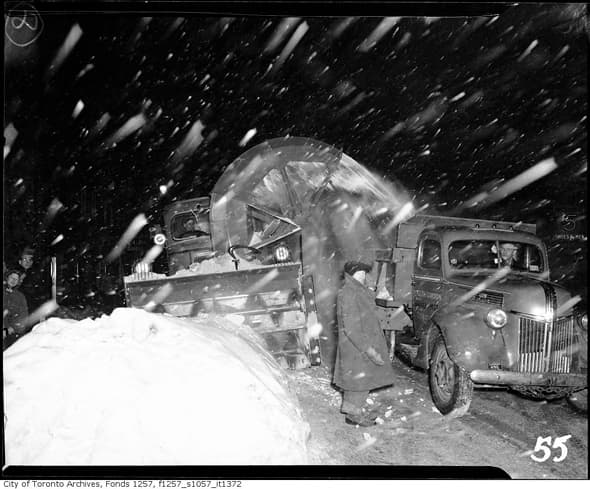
column 495, row 254
column 190, row 224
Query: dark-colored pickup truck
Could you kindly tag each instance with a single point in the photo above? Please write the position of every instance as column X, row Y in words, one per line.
column 471, row 301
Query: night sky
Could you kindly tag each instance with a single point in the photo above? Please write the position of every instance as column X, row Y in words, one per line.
column 444, row 105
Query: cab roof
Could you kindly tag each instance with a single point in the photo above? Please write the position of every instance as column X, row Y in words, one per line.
column 409, row 231
column 452, row 233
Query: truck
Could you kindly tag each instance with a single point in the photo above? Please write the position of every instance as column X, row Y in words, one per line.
column 261, row 280
column 451, row 306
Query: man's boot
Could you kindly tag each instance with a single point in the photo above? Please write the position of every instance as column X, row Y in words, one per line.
column 360, row 419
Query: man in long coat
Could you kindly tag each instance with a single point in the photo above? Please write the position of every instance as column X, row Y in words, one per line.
column 362, row 359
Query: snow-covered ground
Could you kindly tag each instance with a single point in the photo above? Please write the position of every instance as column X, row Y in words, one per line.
column 500, row 430
column 141, row 388
column 148, row 389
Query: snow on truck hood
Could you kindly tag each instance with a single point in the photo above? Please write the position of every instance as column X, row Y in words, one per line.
column 137, row 388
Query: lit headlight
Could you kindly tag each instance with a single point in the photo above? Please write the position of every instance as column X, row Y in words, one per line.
column 496, row 318
column 282, row 254
column 160, row 239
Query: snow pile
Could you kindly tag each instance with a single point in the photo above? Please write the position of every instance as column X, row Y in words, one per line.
column 147, row 389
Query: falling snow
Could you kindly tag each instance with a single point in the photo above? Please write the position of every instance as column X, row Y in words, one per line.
column 108, row 123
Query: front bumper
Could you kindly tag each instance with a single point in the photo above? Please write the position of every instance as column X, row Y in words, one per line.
column 503, row 377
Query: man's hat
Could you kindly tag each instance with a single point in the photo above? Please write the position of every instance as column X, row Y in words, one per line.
column 28, row 251
column 351, row 267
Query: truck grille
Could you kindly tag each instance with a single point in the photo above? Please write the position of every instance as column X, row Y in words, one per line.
column 546, row 347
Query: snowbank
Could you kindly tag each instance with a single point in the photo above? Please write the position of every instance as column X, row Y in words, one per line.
column 147, row 389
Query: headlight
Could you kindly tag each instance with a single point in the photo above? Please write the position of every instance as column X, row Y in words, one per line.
column 496, row 319
column 282, row 254
column 584, row 321
column 160, row 239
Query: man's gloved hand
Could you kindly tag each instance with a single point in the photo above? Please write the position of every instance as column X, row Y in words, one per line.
column 374, row 356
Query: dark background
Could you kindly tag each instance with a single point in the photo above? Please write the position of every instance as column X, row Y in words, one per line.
column 396, row 108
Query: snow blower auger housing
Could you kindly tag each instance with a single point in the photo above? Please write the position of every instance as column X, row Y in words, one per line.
column 286, row 204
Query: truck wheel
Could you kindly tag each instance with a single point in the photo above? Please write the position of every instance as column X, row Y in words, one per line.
column 450, row 386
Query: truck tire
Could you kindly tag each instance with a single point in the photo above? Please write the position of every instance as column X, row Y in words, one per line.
column 450, row 386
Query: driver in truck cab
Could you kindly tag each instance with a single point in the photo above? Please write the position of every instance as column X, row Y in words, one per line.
column 191, row 228
column 508, row 254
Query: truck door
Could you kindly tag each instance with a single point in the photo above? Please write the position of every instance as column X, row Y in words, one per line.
column 426, row 282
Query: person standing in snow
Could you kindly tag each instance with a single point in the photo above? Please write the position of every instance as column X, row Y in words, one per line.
column 33, row 282
column 25, row 263
column 15, row 310
column 362, row 360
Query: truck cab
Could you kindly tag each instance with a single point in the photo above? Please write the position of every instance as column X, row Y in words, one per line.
column 188, row 233
column 471, row 301
column 269, row 237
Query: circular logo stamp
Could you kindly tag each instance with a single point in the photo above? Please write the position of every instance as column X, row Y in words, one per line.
column 567, row 221
column 23, row 24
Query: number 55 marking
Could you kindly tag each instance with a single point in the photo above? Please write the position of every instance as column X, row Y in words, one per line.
column 544, row 444
column 560, row 443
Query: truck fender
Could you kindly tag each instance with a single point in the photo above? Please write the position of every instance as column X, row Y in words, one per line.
column 462, row 333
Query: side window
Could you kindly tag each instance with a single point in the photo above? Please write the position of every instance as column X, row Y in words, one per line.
column 430, row 255
column 535, row 259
